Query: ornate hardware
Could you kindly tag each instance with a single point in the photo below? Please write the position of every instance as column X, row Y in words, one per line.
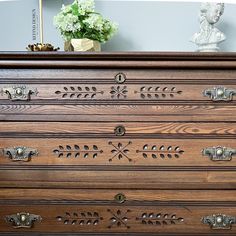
column 20, row 153
column 220, row 94
column 219, row 153
column 120, row 198
column 23, row 220
column 219, row 221
column 120, row 78
column 19, row 92
column 119, row 130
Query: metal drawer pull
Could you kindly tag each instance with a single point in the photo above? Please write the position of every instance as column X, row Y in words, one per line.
column 19, row 153
column 23, row 220
column 19, row 92
column 219, row 221
column 220, row 94
column 219, row 153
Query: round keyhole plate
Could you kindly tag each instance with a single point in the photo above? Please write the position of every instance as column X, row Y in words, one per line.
column 120, row 198
column 120, row 130
column 120, row 78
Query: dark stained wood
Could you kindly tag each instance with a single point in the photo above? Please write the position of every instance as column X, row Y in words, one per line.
column 59, row 218
column 128, row 153
column 158, row 164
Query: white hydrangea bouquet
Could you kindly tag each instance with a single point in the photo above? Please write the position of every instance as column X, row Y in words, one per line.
column 80, row 21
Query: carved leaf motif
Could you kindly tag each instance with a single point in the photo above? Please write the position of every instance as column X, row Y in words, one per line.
column 162, row 151
column 159, row 219
column 79, row 92
column 76, row 151
column 158, row 92
column 81, row 219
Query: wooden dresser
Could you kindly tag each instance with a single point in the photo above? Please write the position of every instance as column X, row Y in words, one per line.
column 117, row 144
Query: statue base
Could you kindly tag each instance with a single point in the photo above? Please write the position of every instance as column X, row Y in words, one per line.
column 208, row 48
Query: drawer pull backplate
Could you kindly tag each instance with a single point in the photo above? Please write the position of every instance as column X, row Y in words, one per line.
column 219, row 153
column 219, row 221
column 220, row 94
column 20, row 153
column 19, row 92
column 23, row 220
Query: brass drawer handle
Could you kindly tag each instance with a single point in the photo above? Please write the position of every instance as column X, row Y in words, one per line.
column 219, row 153
column 19, row 92
column 219, row 221
column 23, row 220
column 220, row 94
column 20, row 153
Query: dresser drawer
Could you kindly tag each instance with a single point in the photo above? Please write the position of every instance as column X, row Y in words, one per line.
column 205, row 153
column 135, row 93
column 124, row 144
column 124, row 212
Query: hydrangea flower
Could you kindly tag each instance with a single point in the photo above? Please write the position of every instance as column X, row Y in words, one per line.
column 79, row 20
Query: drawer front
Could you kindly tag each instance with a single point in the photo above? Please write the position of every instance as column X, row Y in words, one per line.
column 144, row 93
column 111, row 94
column 121, row 152
column 134, row 214
column 125, row 144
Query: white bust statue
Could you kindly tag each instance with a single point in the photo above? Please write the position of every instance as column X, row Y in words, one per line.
column 209, row 36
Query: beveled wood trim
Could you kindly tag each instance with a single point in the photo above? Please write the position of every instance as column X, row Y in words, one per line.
column 154, row 55
column 118, row 60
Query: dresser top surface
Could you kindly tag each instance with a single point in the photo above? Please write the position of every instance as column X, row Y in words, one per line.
column 117, row 55
column 117, row 60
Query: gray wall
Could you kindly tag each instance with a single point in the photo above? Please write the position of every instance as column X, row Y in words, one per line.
column 143, row 25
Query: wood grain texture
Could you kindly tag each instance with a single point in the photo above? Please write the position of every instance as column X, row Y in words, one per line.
column 158, row 165
column 219, row 129
column 70, row 218
column 93, row 152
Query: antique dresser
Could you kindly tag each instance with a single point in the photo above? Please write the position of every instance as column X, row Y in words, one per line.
column 117, row 144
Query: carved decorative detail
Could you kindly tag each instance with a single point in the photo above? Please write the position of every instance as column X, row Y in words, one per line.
column 77, row 151
column 163, row 152
column 219, row 153
column 159, row 219
column 23, row 220
column 19, row 92
column 81, row 218
column 20, row 153
column 158, row 92
column 220, row 94
column 119, row 92
column 219, row 221
column 120, row 151
column 78, row 92
column 119, row 219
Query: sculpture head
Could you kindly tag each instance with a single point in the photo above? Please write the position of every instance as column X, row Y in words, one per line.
column 212, row 11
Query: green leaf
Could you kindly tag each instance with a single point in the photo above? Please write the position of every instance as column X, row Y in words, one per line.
column 75, row 9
